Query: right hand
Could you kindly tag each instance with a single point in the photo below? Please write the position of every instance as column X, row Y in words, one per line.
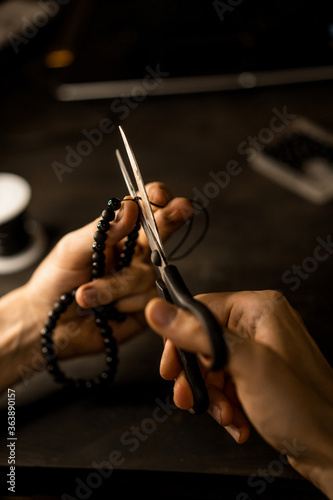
column 276, row 376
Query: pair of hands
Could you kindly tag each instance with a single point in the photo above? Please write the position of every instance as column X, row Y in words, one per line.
column 276, row 376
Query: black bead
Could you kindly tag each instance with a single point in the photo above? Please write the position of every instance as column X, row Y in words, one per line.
column 48, row 351
column 111, row 312
column 114, row 203
column 98, row 246
column 108, row 214
column 130, row 243
column 98, row 257
column 100, row 237
column 59, row 307
column 112, row 347
column 103, row 225
column 98, row 265
column 53, row 315
column 130, row 252
column 97, row 273
column 133, row 236
column 46, row 333
column 101, row 321
column 105, row 332
column 50, row 324
column 66, row 298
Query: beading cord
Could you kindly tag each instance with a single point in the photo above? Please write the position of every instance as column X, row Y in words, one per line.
column 102, row 313
column 200, row 209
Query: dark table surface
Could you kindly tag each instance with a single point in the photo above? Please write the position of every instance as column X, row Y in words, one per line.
column 258, row 231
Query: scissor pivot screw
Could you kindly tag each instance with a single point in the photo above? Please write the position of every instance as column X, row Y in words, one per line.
column 156, row 258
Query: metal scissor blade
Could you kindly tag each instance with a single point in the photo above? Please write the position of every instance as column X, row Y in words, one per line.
column 133, row 193
column 130, row 187
column 142, row 190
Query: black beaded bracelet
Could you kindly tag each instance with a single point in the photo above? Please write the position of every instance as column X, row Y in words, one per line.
column 102, row 313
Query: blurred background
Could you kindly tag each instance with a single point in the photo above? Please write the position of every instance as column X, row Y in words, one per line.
column 200, row 88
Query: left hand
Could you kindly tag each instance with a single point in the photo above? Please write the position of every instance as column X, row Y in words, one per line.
column 68, row 266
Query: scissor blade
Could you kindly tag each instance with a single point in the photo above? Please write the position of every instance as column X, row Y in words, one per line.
column 142, row 190
column 130, row 187
column 132, row 190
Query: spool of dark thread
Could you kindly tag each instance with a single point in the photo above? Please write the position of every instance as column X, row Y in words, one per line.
column 21, row 239
column 13, row 236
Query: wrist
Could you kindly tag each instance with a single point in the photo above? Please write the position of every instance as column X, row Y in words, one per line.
column 318, row 464
column 322, row 475
column 20, row 349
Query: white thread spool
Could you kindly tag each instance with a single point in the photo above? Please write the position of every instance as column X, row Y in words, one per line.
column 22, row 241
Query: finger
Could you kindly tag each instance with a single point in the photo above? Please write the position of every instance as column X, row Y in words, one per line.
column 182, row 392
column 159, row 194
column 137, row 302
column 170, row 365
column 129, row 281
column 220, row 407
column 171, row 214
column 75, row 247
column 229, row 390
column 240, row 427
column 224, row 406
column 253, row 366
column 178, row 325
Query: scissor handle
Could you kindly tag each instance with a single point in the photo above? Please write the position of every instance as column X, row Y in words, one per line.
column 181, row 297
column 190, row 365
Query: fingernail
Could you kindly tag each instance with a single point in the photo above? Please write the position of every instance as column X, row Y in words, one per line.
column 234, row 432
column 89, row 297
column 163, row 313
column 215, row 413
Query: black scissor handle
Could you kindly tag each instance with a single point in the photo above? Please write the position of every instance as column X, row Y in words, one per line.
column 182, row 297
column 190, row 365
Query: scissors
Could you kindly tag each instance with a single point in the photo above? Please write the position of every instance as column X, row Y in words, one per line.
column 171, row 287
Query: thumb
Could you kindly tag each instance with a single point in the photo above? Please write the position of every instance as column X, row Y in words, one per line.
column 178, row 325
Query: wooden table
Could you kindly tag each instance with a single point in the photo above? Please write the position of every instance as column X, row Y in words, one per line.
column 258, row 231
